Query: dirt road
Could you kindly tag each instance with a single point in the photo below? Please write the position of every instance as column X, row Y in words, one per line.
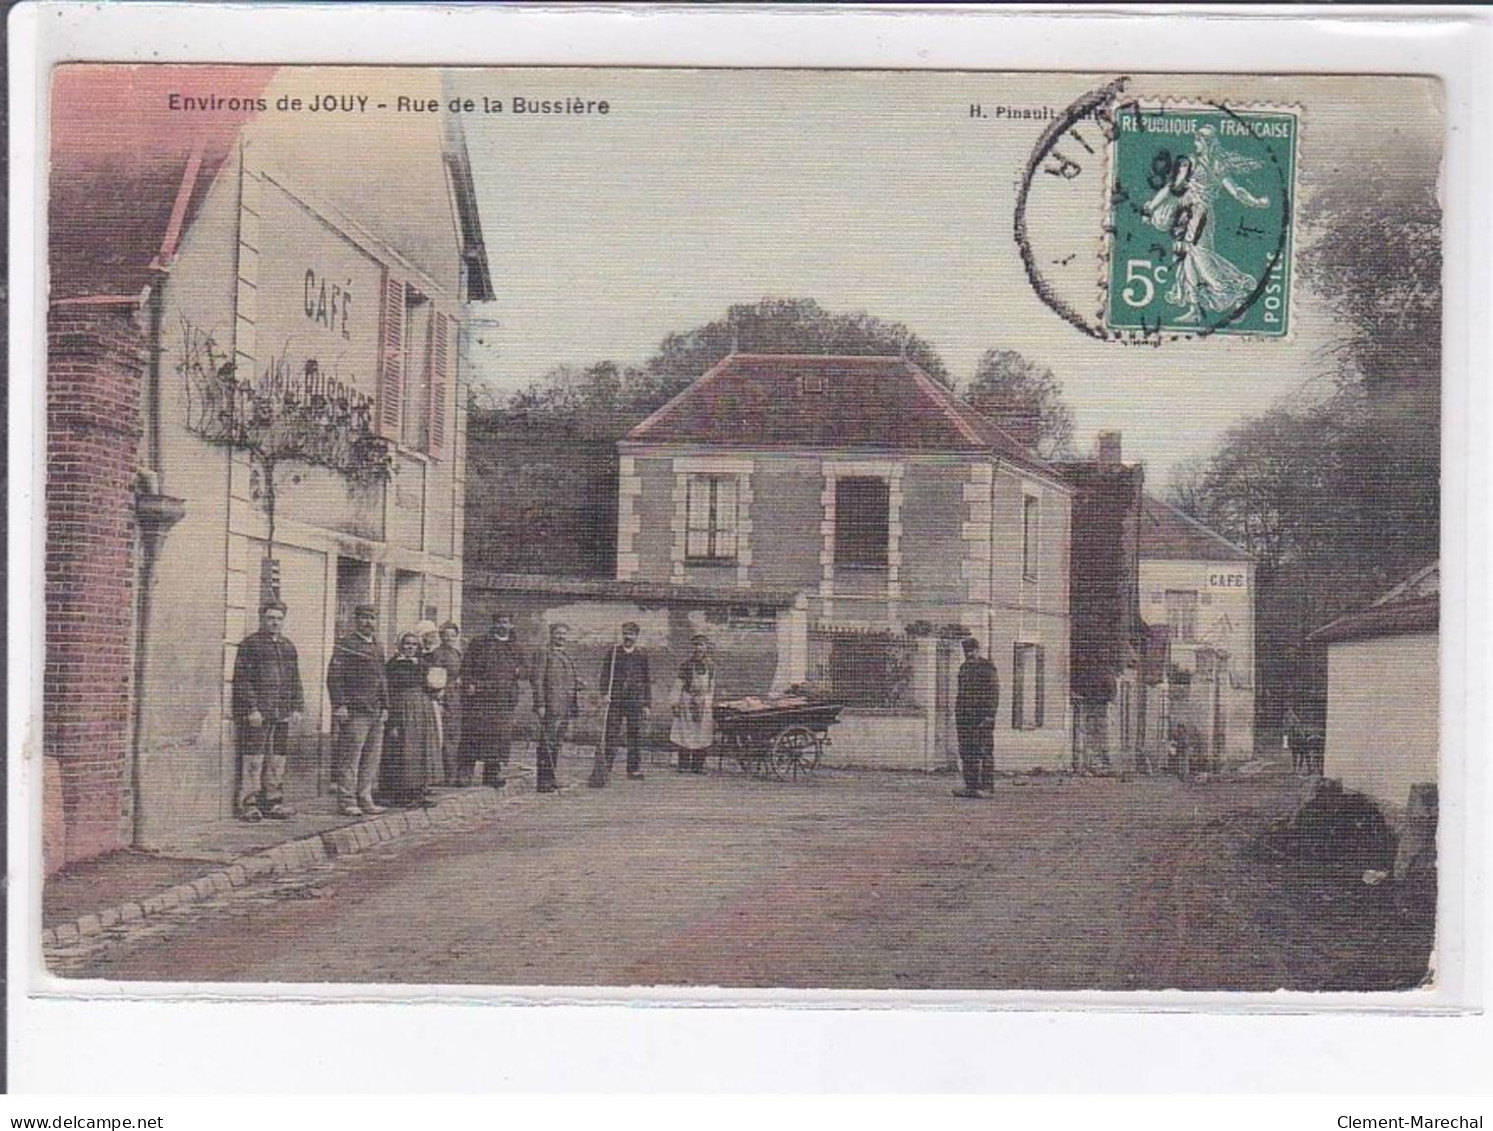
column 850, row 880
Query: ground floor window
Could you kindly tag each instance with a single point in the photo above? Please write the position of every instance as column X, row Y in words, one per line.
column 1028, row 686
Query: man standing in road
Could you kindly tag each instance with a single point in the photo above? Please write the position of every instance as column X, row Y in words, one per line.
column 360, row 708
column 557, row 688
column 267, row 699
column 628, row 697
column 490, row 676
column 975, row 706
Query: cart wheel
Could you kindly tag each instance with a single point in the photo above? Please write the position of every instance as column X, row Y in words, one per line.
column 794, row 750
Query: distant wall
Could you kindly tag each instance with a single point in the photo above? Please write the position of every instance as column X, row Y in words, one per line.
column 541, row 498
column 753, row 655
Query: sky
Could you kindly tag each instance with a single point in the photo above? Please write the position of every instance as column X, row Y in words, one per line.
column 871, row 191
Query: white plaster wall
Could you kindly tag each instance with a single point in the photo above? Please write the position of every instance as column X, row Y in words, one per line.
column 1383, row 703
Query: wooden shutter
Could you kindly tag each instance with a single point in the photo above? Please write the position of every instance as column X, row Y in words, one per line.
column 440, row 377
column 1018, row 677
column 391, row 358
column 1039, row 685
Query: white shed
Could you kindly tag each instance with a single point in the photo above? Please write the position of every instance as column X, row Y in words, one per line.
column 1383, row 692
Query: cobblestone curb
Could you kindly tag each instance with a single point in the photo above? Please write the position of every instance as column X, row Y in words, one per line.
column 283, row 860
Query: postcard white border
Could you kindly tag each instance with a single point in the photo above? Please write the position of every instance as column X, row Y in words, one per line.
column 94, row 1042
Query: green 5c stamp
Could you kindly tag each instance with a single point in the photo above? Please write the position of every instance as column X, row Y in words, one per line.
column 1200, row 218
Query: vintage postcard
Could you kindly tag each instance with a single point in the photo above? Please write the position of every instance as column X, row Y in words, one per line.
column 838, row 530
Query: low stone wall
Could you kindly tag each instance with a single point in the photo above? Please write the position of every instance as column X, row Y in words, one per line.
column 759, row 645
column 879, row 739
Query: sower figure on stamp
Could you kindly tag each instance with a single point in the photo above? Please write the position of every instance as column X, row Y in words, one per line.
column 360, row 708
column 557, row 688
column 267, row 698
column 627, row 692
column 975, row 706
column 490, row 675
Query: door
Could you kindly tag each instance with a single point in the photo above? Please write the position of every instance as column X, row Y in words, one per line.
column 354, row 588
column 409, row 595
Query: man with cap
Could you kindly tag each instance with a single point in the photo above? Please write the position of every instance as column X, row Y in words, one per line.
column 975, row 706
column 490, row 675
column 267, row 699
column 557, row 688
column 627, row 693
column 360, row 707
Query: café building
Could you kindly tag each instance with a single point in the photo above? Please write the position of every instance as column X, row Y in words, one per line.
column 314, row 257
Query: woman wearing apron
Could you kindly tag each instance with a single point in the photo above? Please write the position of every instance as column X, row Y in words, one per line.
column 693, row 729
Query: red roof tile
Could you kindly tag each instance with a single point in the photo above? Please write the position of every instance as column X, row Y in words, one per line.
column 819, row 402
column 1165, row 532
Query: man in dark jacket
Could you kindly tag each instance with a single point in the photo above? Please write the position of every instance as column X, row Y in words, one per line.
column 627, row 694
column 360, row 708
column 975, row 707
column 490, row 675
column 267, row 698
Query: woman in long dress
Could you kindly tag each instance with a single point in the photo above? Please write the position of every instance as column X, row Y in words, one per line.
column 412, row 742
column 693, row 728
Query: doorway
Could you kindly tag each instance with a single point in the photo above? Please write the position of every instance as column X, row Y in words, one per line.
column 409, row 598
column 354, row 588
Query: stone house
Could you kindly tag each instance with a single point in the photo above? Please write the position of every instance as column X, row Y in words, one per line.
column 905, row 517
column 1200, row 587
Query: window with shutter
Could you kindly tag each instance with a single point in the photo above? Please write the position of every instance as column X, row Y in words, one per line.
column 1018, row 678
column 1039, row 691
column 862, row 521
column 391, row 359
column 440, row 370
column 710, row 519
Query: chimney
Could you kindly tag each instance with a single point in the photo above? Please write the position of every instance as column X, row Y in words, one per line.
column 1109, row 449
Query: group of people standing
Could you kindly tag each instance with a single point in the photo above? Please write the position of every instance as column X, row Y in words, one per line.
column 431, row 713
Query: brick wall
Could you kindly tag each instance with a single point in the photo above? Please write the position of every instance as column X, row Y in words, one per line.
column 95, row 371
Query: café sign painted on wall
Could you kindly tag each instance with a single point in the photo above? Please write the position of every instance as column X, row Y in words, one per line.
column 317, row 330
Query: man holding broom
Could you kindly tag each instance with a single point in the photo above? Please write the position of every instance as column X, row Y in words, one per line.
column 627, row 693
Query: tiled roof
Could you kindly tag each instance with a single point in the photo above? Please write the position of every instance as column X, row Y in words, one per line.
column 820, row 402
column 1414, row 605
column 128, row 172
column 1165, row 532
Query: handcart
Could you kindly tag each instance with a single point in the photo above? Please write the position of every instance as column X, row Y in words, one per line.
column 778, row 738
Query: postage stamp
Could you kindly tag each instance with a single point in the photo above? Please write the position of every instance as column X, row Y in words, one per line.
column 1200, row 220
